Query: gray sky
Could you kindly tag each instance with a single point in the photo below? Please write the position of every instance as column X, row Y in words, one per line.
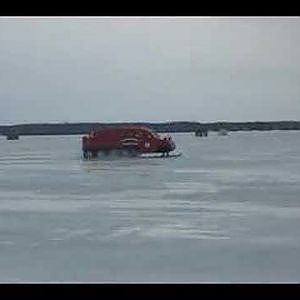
column 149, row 69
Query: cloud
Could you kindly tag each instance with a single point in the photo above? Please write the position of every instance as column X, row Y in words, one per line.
column 124, row 69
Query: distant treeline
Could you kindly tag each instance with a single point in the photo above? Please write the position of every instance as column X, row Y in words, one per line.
column 83, row 128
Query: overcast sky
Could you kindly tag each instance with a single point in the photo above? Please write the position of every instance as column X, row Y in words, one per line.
column 149, row 69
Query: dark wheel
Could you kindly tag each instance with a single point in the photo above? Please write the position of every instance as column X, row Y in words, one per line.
column 85, row 154
column 106, row 152
column 94, row 154
column 131, row 151
column 120, row 153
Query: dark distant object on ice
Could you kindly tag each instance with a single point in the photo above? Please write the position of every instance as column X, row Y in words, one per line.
column 126, row 140
column 12, row 135
column 201, row 132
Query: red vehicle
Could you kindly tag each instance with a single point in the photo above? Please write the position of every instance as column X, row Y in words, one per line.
column 132, row 140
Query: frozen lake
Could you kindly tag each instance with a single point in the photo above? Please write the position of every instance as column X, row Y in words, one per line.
column 228, row 210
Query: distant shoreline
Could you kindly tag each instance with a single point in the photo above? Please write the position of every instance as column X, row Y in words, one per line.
column 180, row 126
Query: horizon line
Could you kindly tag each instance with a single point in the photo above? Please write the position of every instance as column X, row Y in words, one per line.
column 150, row 122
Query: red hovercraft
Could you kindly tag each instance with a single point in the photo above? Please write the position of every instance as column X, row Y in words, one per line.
column 126, row 141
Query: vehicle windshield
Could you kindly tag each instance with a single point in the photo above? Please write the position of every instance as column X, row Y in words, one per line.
column 166, row 136
column 154, row 133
